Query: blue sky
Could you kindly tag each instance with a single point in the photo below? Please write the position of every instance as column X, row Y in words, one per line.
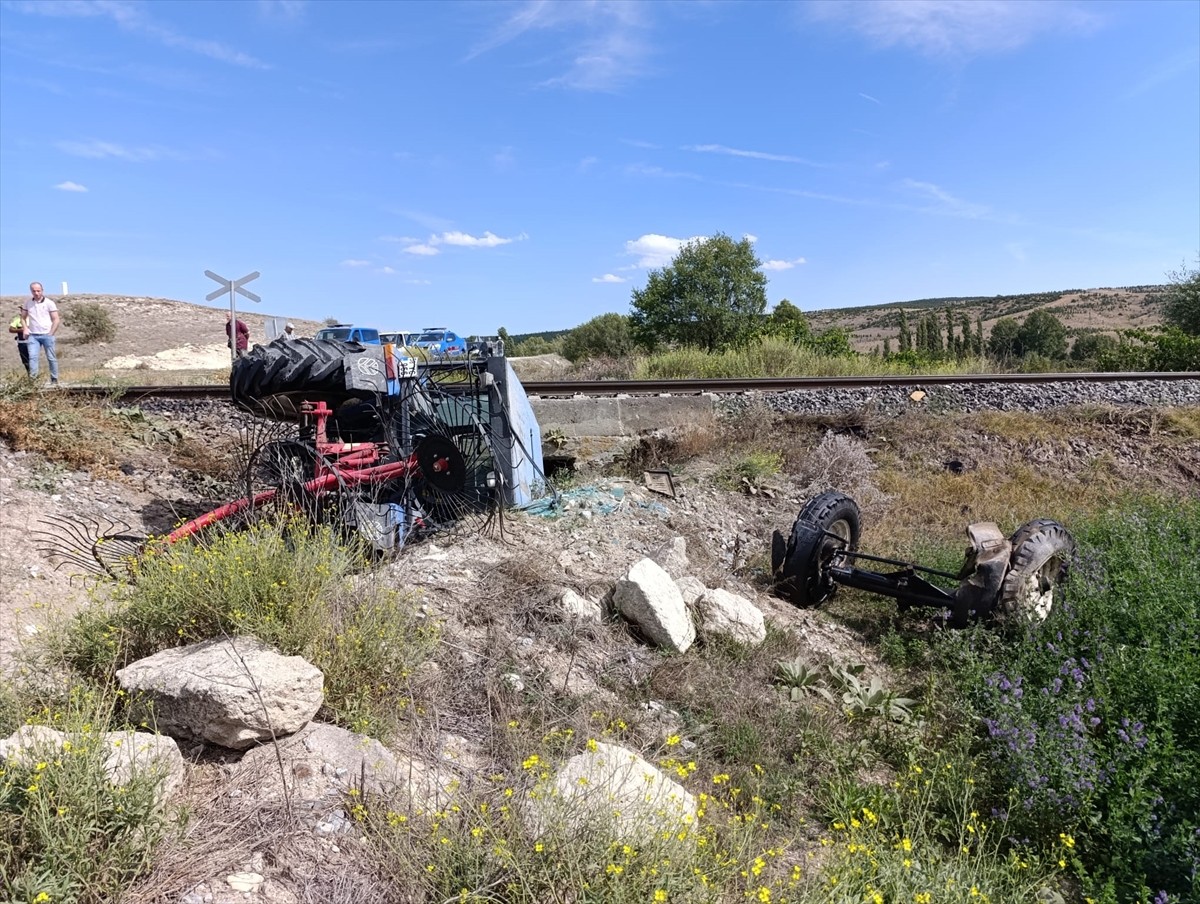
column 524, row 164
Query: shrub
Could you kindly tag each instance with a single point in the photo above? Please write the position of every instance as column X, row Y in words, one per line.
column 290, row 584
column 66, row 832
column 92, row 323
column 1091, row 719
column 606, row 336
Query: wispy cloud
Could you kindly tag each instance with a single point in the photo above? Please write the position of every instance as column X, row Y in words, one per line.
column 653, row 250
column 71, row 186
column 782, row 265
column 282, row 10
column 608, row 278
column 638, row 143
column 504, row 160
column 657, row 172
column 422, row 250
column 417, row 282
column 386, row 271
column 132, row 18
column 953, row 28
column 355, row 262
column 1164, row 71
column 754, row 155
column 587, row 163
column 109, row 150
column 874, row 100
column 941, row 201
column 466, row 240
column 603, row 45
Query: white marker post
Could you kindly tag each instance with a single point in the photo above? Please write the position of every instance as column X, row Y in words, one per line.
column 232, row 286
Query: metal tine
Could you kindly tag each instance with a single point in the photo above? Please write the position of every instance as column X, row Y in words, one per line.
column 95, row 546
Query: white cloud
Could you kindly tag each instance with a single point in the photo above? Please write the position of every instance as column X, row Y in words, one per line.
column 417, row 282
column 955, row 28
column 874, row 100
column 942, row 201
column 657, row 172
column 354, row 262
column 750, row 237
column 106, row 150
column 387, row 271
column 466, row 240
column 753, row 155
column 71, row 186
column 132, row 18
column 587, row 163
column 603, row 45
column 287, row 10
column 422, row 249
column 782, row 265
column 653, row 250
column 608, row 278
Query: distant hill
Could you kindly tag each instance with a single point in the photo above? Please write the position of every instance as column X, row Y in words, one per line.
column 1082, row 311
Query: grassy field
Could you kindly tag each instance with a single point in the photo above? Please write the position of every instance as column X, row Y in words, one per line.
column 997, row 763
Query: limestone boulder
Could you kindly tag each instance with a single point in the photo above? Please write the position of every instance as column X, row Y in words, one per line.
column 649, row 598
column 691, row 588
column 233, row 692
column 614, row 792
column 724, row 614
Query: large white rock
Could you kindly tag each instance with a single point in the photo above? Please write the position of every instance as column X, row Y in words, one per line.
column 322, row 761
column 129, row 753
column 691, row 588
column 649, row 598
column 725, row 614
column 234, row 692
column 614, row 792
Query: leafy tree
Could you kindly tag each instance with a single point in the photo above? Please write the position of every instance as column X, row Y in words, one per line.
column 711, row 296
column 604, row 336
column 834, row 343
column 92, row 323
column 1002, row 343
column 1183, row 301
column 788, row 322
column 1042, row 334
column 929, row 335
column 1093, row 347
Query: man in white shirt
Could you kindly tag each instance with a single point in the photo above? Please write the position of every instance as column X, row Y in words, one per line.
column 41, row 323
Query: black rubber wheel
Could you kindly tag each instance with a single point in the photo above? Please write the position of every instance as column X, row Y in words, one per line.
column 314, row 368
column 1040, row 561
column 827, row 523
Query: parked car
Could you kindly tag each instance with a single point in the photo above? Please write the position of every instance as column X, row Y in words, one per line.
column 440, row 342
column 398, row 337
column 344, row 332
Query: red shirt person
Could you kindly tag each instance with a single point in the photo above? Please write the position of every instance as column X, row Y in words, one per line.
column 243, row 335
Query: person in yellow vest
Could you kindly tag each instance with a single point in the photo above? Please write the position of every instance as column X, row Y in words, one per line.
column 16, row 326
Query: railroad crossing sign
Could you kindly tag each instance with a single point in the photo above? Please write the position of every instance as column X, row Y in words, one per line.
column 232, row 286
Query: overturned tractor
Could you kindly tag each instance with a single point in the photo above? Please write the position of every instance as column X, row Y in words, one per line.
column 364, row 437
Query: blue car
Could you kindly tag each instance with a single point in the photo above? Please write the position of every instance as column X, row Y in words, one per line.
column 344, row 332
column 440, row 342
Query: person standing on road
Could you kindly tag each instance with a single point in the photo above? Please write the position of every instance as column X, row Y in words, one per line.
column 16, row 326
column 41, row 319
column 243, row 335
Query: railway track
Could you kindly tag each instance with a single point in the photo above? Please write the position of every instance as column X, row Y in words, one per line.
column 737, row 386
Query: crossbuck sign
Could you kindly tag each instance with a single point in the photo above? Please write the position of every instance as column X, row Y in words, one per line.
column 233, row 287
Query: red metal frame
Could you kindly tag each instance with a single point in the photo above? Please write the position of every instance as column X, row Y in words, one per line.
column 338, row 464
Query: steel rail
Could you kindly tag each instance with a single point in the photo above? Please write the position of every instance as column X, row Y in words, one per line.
column 602, row 388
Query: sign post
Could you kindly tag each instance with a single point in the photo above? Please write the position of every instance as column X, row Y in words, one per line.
column 232, row 286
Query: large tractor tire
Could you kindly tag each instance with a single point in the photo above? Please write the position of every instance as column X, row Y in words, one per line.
column 1041, row 557
column 827, row 523
column 300, row 369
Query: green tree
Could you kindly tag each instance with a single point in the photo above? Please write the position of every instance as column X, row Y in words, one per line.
column 1094, row 347
column 788, row 322
column 905, row 337
column 1002, row 343
column 1042, row 334
column 1183, row 301
column 604, row 336
column 711, row 296
column 92, row 323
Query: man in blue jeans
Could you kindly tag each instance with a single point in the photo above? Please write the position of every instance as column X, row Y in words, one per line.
column 41, row 323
